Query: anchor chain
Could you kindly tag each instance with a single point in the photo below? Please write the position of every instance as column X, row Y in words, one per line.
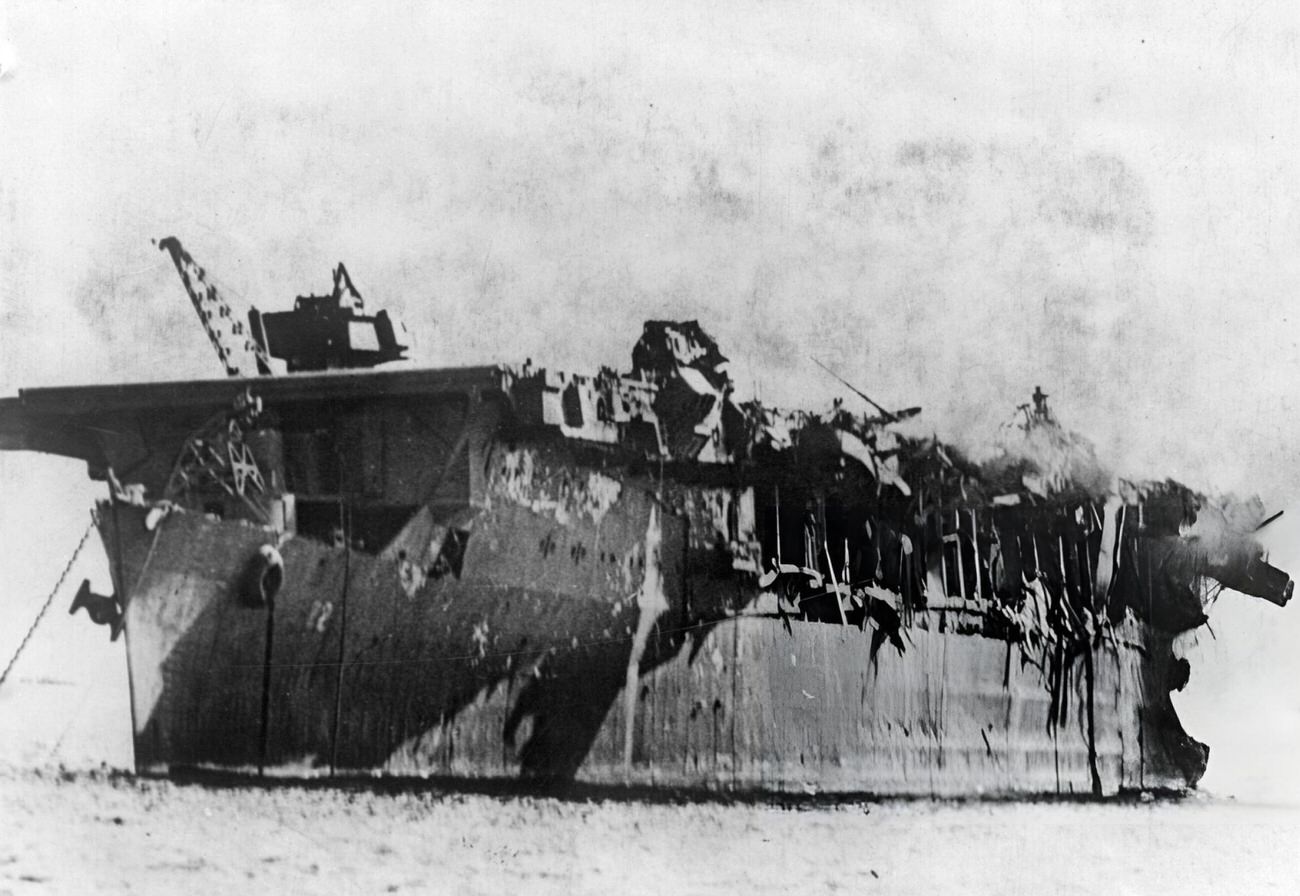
column 49, row 600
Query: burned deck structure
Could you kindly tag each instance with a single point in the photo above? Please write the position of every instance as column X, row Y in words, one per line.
column 631, row 578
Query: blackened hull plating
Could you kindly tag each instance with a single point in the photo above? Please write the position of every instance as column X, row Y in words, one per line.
column 520, row 572
column 519, row 667
column 370, row 667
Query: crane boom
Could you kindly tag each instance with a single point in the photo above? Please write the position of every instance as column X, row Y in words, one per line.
column 238, row 350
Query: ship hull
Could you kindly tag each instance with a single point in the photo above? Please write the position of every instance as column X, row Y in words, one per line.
column 561, row 651
column 526, row 574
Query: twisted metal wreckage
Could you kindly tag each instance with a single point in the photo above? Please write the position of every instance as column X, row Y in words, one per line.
column 626, row 578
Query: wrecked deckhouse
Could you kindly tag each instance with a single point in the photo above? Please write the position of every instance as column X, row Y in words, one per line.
column 626, row 578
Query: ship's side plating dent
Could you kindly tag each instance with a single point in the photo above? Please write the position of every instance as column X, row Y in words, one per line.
column 651, row 603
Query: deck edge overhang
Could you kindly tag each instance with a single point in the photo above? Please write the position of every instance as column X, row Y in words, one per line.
column 71, row 421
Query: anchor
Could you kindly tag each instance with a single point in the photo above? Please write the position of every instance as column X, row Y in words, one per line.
column 102, row 610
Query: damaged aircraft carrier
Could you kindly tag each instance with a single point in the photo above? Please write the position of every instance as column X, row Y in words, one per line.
column 624, row 578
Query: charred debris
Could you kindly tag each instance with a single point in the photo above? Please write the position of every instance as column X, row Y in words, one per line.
column 856, row 520
column 594, row 535
column 831, row 517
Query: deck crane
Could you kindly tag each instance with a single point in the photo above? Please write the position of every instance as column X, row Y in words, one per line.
column 241, row 354
column 329, row 332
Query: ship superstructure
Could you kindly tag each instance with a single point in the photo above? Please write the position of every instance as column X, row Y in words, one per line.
column 631, row 578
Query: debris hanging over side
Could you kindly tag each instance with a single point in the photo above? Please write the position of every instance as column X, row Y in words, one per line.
column 855, row 521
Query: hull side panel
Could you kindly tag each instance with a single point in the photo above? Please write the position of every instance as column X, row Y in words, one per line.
column 516, row 662
column 196, row 654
